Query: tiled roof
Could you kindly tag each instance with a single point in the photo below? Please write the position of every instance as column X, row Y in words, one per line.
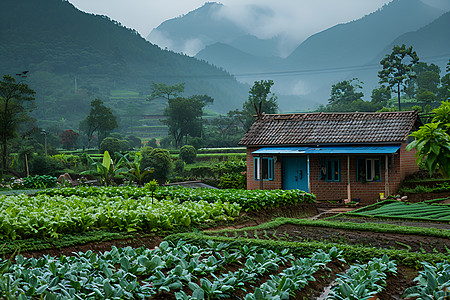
column 331, row 128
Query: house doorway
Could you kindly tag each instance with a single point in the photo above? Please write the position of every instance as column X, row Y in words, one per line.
column 295, row 173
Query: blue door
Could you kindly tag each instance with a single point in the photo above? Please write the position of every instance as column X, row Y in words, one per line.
column 295, row 173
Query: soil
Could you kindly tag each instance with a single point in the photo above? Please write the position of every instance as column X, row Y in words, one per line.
column 96, row 247
column 295, row 233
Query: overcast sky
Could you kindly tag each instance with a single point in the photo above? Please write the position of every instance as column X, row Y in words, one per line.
column 299, row 17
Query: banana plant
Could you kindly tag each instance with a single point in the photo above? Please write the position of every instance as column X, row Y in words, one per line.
column 134, row 170
column 107, row 169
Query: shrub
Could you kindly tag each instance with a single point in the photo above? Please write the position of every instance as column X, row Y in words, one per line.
column 179, row 166
column 46, row 165
column 112, row 145
column 233, row 181
column 188, row 154
column 159, row 159
column 39, row 181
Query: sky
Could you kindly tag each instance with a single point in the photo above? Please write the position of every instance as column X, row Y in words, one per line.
column 298, row 17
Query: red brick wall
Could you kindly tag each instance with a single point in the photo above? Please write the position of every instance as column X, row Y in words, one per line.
column 407, row 161
column 367, row 192
column 253, row 184
column 400, row 165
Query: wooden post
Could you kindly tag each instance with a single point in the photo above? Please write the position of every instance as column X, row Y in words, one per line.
column 261, row 184
column 386, row 176
column 26, row 164
column 349, row 189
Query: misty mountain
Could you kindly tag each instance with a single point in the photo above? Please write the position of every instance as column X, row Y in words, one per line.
column 353, row 49
column 357, row 42
column 206, row 26
column 340, row 52
column 431, row 42
column 74, row 57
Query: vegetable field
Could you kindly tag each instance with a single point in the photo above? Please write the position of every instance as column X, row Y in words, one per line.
column 286, row 258
column 415, row 211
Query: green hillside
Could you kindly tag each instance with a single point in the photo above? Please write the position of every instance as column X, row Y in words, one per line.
column 74, row 57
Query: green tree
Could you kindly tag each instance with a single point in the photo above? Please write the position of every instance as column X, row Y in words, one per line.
column 398, row 68
column 432, row 142
column 184, row 117
column 162, row 90
column 444, row 90
column 16, row 100
column 381, row 96
column 260, row 100
column 428, row 81
column 100, row 120
column 426, row 97
column 345, row 92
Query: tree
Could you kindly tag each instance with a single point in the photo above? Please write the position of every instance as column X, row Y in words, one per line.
column 260, row 100
column 381, row 96
column 15, row 103
column 426, row 97
column 344, row 92
column 162, row 90
column 68, row 138
column 432, row 142
column 444, row 90
column 428, row 81
column 395, row 72
column 100, row 120
column 184, row 116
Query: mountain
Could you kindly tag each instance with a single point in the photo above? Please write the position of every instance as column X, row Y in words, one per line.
column 340, row 52
column 431, row 42
column 357, row 42
column 209, row 25
column 74, row 57
column 234, row 60
column 192, row 32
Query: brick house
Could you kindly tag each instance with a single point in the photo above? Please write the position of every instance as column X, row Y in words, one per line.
column 332, row 155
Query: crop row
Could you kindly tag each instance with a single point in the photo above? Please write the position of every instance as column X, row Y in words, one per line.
column 248, row 199
column 421, row 211
column 125, row 273
column 363, row 281
column 42, row 215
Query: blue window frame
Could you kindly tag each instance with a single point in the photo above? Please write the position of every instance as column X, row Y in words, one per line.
column 330, row 169
column 267, row 168
column 368, row 169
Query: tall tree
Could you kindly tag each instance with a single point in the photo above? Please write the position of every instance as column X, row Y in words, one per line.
column 16, row 100
column 184, row 117
column 398, row 68
column 162, row 90
column 100, row 120
column 260, row 100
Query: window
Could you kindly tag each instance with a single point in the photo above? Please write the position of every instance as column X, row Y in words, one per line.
column 330, row 169
column 369, row 169
column 267, row 168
